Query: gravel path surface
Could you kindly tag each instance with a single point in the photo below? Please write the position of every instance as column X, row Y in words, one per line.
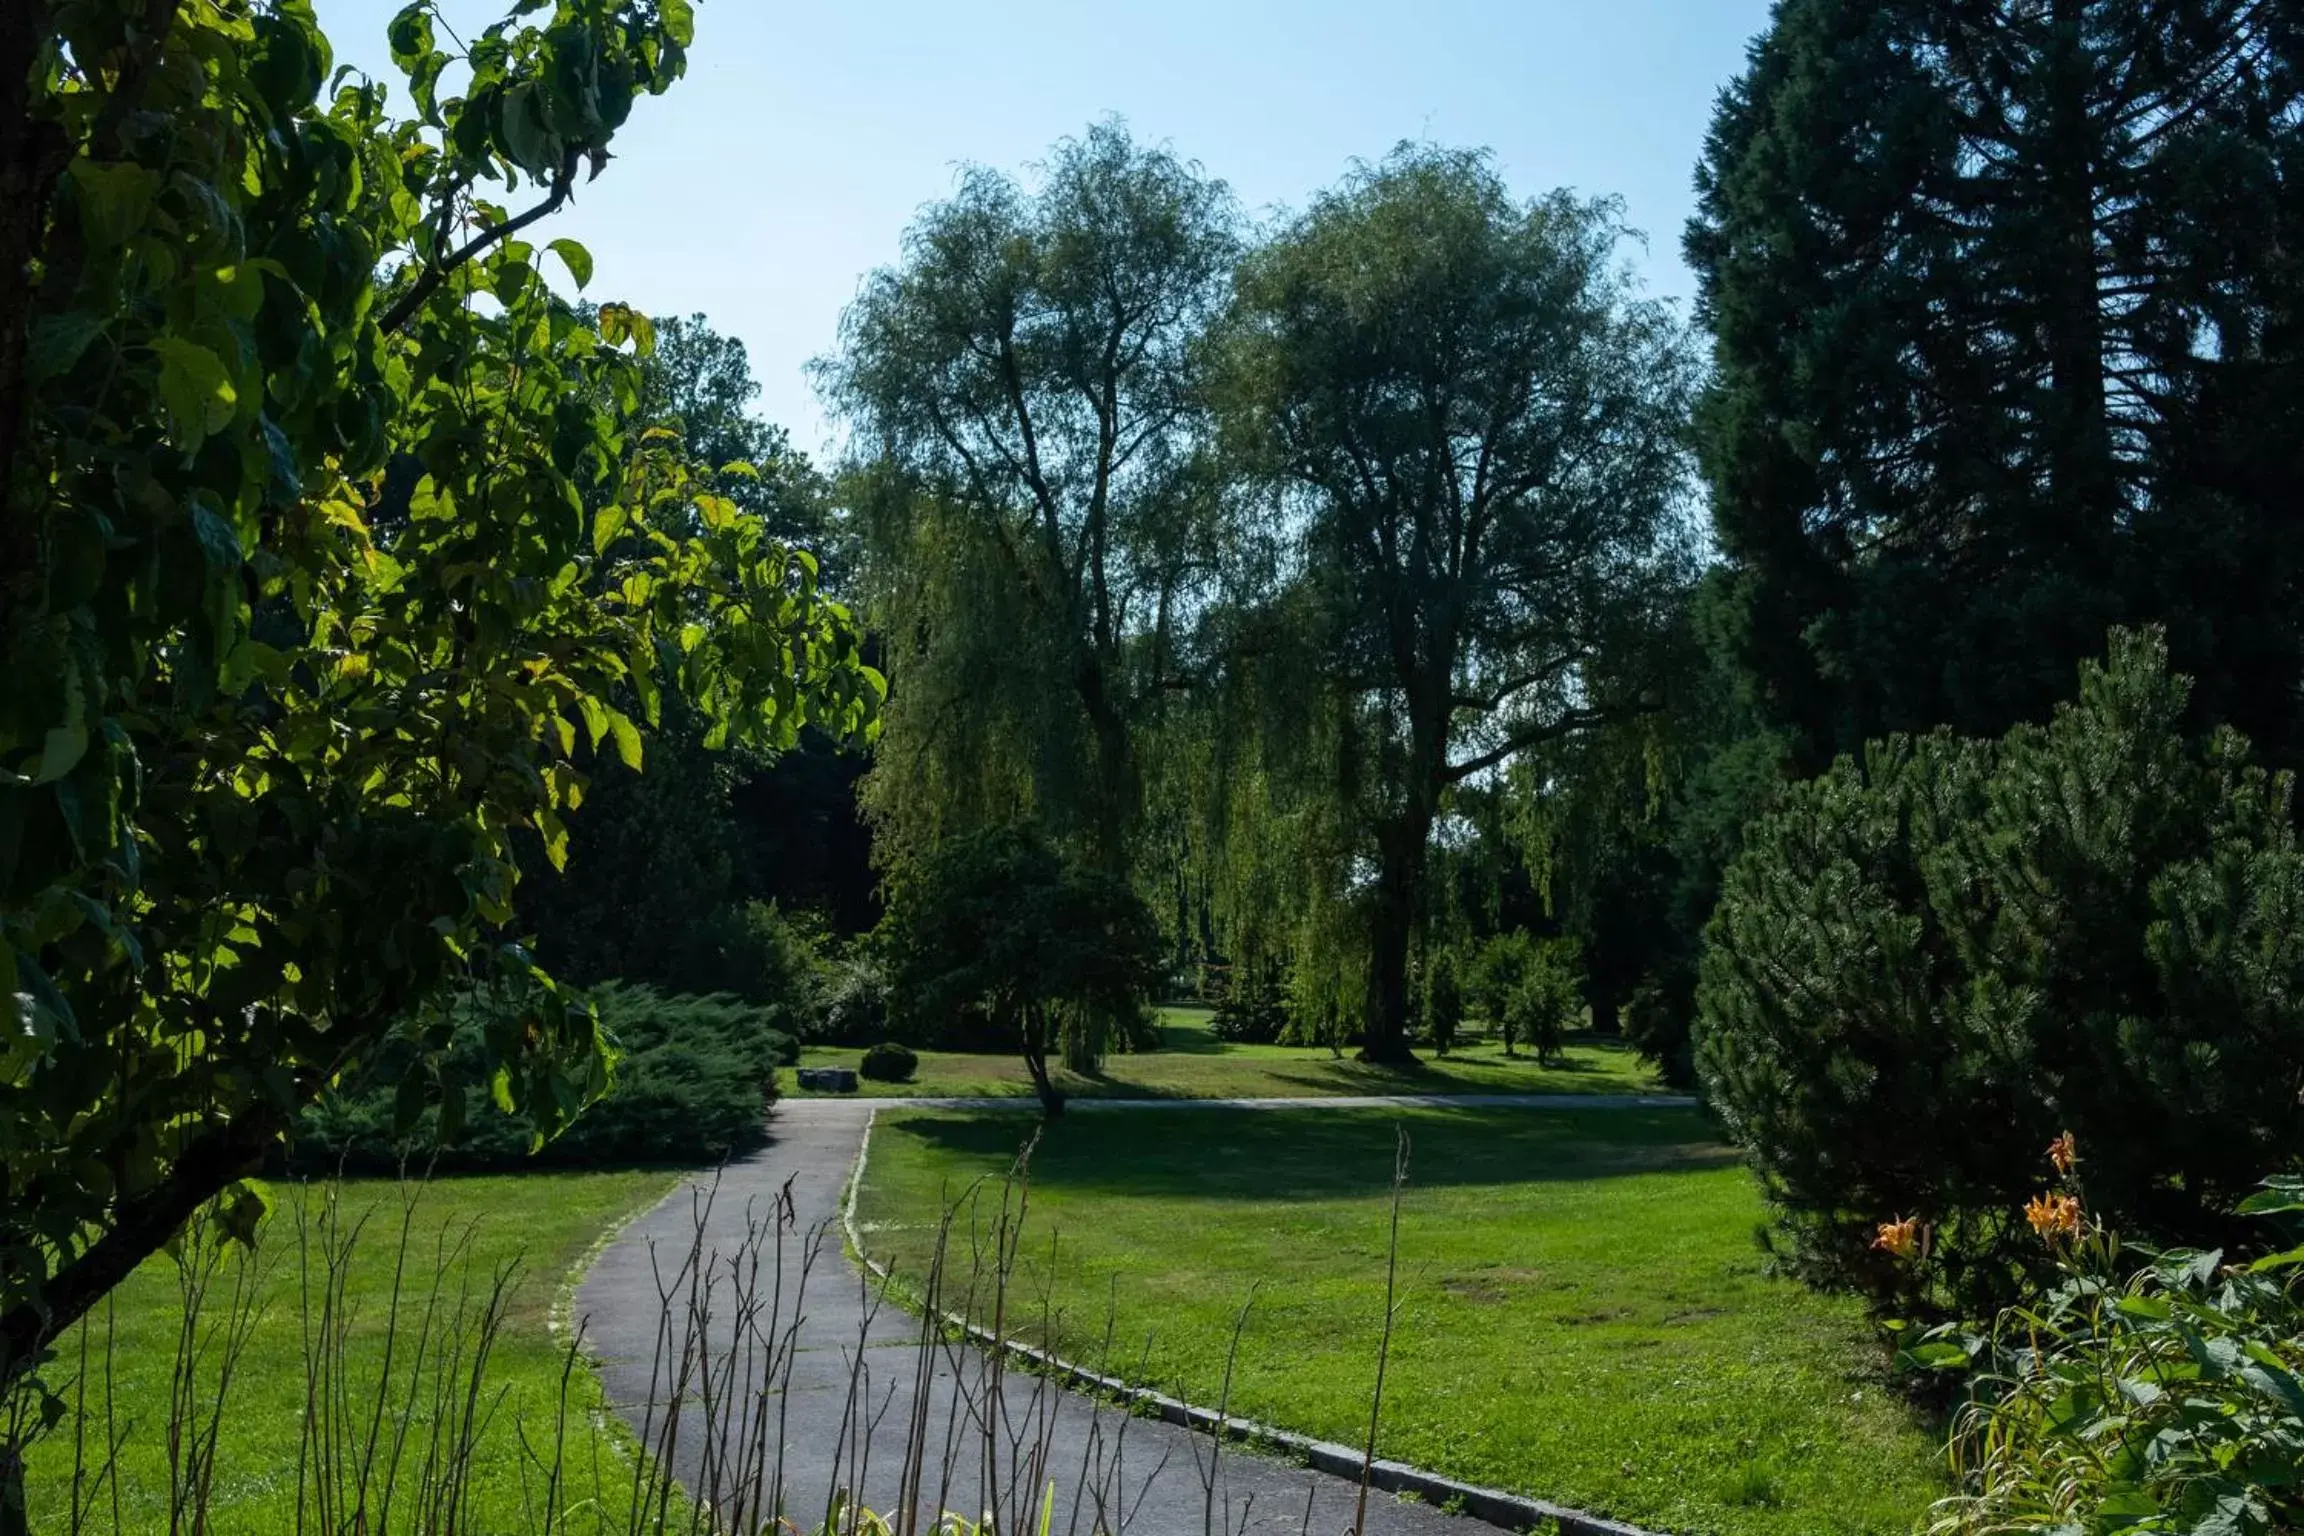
column 797, row 1379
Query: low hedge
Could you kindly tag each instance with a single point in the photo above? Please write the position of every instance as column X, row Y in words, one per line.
column 693, row 1084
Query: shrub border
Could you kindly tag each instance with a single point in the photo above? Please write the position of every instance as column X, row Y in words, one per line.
column 1512, row 1511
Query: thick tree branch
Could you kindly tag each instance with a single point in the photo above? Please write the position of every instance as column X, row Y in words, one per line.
column 142, row 1225
column 1534, row 736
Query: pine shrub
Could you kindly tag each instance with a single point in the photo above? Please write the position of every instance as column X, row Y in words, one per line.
column 692, row 1086
column 1926, row 965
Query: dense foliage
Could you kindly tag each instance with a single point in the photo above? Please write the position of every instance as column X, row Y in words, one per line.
column 1251, row 1007
column 1529, row 989
column 2007, row 350
column 1927, row 964
column 999, row 926
column 327, row 532
column 693, row 1080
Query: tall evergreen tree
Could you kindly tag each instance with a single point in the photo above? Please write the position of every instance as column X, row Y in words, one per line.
column 2004, row 297
column 1473, row 431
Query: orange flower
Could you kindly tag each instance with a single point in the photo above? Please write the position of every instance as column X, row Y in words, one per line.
column 1899, row 1238
column 2063, row 1153
column 2054, row 1216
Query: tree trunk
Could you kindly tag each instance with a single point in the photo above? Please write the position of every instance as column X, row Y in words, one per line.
column 1387, row 1017
column 1115, row 791
column 1403, row 844
column 1606, row 1016
column 2084, row 484
column 1035, row 1034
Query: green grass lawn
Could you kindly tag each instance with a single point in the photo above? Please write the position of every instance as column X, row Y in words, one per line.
column 545, row 1221
column 1585, row 1316
column 1194, row 1064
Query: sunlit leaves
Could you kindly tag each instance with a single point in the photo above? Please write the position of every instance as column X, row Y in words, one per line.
column 578, row 260
column 319, row 601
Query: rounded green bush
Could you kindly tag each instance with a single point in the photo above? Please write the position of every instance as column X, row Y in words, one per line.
column 889, row 1062
column 1927, row 965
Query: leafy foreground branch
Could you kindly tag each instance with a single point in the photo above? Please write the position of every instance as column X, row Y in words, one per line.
column 327, row 530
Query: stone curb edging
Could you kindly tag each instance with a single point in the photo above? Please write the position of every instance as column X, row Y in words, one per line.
column 1511, row 1511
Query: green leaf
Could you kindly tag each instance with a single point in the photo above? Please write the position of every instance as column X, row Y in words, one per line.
column 595, row 718
column 220, row 550
column 115, row 199
column 608, row 527
column 408, row 1104
column 577, row 259
column 554, row 834
column 2268, row 1376
column 61, row 752
column 56, row 341
column 195, row 388
column 1934, row 1356
column 522, row 134
column 2272, row 1261
column 627, row 738
column 2284, row 1193
column 410, row 34
column 240, row 1211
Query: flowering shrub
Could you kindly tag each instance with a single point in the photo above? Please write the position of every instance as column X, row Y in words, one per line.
column 2162, row 1398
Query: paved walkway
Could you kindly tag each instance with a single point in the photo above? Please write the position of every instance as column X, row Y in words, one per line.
column 732, row 1297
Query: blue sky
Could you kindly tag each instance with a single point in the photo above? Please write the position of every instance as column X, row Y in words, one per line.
column 788, row 162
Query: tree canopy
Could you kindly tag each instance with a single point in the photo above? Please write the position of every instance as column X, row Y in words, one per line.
column 997, row 922
column 1041, row 524
column 2006, row 351
column 1471, row 426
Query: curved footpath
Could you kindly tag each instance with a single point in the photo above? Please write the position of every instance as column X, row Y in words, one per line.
column 801, row 1379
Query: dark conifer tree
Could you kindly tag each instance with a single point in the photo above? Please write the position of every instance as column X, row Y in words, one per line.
column 2004, row 297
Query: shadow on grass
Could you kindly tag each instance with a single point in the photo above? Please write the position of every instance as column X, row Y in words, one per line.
column 1222, row 1154
column 1189, row 1039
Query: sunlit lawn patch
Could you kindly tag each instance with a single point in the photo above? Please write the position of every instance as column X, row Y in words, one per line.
column 1197, row 1065
column 544, row 1221
column 1585, row 1314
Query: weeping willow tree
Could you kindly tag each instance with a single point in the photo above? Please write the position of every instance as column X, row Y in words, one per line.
column 1471, row 430
column 1039, row 518
column 1256, row 800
